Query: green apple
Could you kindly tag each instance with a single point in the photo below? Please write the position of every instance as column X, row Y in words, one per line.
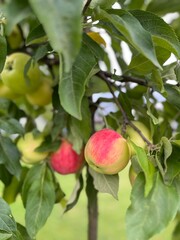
column 107, row 152
column 15, row 38
column 42, row 96
column 136, row 138
column 27, row 146
column 13, row 74
column 6, row 92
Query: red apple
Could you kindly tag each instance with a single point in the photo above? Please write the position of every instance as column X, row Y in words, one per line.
column 65, row 160
column 107, row 152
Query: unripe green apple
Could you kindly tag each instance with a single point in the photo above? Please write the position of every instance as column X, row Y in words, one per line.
column 65, row 160
column 6, row 92
column 27, row 146
column 15, row 38
column 107, row 152
column 132, row 174
column 136, row 138
column 42, row 96
column 13, row 74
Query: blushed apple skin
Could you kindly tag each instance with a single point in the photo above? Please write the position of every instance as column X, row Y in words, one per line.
column 65, row 160
column 27, row 146
column 107, row 152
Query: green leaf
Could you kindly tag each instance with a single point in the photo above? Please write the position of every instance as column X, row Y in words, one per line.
column 146, row 166
column 75, row 194
column 10, row 156
column 150, row 112
column 11, row 126
column 36, row 35
column 142, row 66
column 147, row 216
column 7, row 223
column 23, row 232
column 82, row 128
column 63, row 28
column 163, row 6
column 3, row 52
column 163, row 35
column 133, row 31
column 15, row 11
column 106, row 183
column 5, row 236
column 167, row 150
column 72, row 84
column 157, row 80
column 177, row 71
column 173, row 165
column 173, row 95
column 38, row 197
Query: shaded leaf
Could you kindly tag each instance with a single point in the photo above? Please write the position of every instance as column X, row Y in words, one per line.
column 7, row 223
column 163, row 6
column 106, row 183
column 75, row 194
column 64, row 28
column 147, row 216
column 10, row 156
column 173, row 95
column 3, row 52
column 36, row 35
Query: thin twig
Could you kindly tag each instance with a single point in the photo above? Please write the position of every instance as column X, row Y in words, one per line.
column 126, row 120
column 126, row 78
column 86, row 6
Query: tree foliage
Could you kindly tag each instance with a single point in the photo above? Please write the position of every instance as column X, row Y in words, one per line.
column 145, row 87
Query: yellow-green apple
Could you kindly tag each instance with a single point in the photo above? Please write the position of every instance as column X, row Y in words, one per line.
column 42, row 96
column 107, row 152
column 13, row 74
column 135, row 137
column 27, row 146
column 6, row 92
column 132, row 174
column 65, row 160
column 15, row 38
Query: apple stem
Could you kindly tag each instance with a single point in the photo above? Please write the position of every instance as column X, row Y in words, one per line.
column 92, row 207
column 126, row 120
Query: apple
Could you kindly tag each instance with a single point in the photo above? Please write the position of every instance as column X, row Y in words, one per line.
column 15, row 38
column 65, row 160
column 107, row 152
column 135, row 137
column 13, row 74
column 42, row 96
column 132, row 174
column 6, row 92
column 27, row 146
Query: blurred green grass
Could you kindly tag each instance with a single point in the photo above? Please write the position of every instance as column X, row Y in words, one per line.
column 73, row 224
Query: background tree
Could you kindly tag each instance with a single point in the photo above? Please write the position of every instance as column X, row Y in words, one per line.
column 54, row 58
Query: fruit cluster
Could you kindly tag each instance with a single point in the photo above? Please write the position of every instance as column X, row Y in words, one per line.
column 15, row 83
column 106, row 152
